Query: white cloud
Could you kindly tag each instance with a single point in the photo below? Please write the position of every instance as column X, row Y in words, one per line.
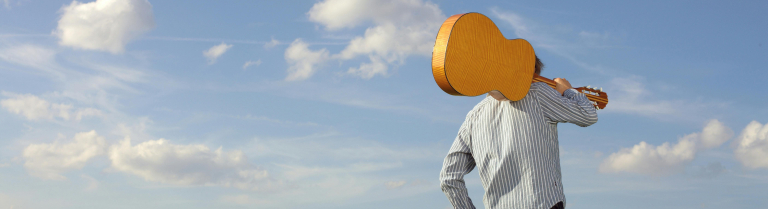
column 714, row 134
column 752, row 149
column 34, row 108
column 104, row 25
column 400, row 28
column 645, row 158
column 249, row 63
column 161, row 161
column 368, row 70
column 302, row 61
column 48, row 161
column 338, row 14
column 215, row 51
column 666, row 159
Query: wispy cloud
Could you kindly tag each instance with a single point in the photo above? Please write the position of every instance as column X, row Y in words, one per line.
column 334, row 146
column 394, row 184
column 251, row 63
column 36, row 57
column 80, row 74
column 10, row 3
column 272, row 43
column 632, row 95
column 332, row 167
column 267, row 44
column 215, row 52
column 358, row 97
column 568, row 44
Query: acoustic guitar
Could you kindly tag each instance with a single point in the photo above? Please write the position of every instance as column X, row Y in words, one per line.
column 471, row 57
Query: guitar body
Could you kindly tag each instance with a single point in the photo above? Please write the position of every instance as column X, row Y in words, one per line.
column 471, row 57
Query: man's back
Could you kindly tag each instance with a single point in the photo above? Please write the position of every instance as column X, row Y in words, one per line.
column 514, row 145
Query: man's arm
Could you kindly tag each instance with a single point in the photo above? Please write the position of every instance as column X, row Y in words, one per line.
column 566, row 105
column 458, row 163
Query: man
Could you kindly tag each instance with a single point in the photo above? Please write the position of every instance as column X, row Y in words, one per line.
column 514, row 145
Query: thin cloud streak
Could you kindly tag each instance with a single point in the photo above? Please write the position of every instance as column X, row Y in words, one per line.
column 353, row 97
column 327, row 166
column 236, row 41
column 26, row 35
column 271, row 43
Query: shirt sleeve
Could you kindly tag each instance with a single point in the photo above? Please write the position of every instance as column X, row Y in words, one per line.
column 571, row 107
column 458, row 163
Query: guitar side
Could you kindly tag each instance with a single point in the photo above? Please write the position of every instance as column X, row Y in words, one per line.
column 438, row 55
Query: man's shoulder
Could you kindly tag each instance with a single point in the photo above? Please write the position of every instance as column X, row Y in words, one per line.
column 480, row 106
column 541, row 88
column 538, row 85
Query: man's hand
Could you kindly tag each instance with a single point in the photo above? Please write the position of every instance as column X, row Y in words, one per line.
column 562, row 85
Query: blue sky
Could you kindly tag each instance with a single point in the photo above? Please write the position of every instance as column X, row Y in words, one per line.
column 331, row 104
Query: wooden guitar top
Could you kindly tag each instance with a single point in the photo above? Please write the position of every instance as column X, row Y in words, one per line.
column 471, row 57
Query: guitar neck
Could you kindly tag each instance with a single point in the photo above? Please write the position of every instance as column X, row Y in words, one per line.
column 538, row 78
column 551, row 83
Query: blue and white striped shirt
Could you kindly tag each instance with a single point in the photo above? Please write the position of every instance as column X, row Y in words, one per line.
column 514, row 145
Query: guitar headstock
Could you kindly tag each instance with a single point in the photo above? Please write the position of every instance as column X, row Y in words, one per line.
column 596, row 95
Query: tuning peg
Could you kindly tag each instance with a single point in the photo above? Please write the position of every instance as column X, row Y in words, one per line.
column 588, row 86
column 601, row 88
